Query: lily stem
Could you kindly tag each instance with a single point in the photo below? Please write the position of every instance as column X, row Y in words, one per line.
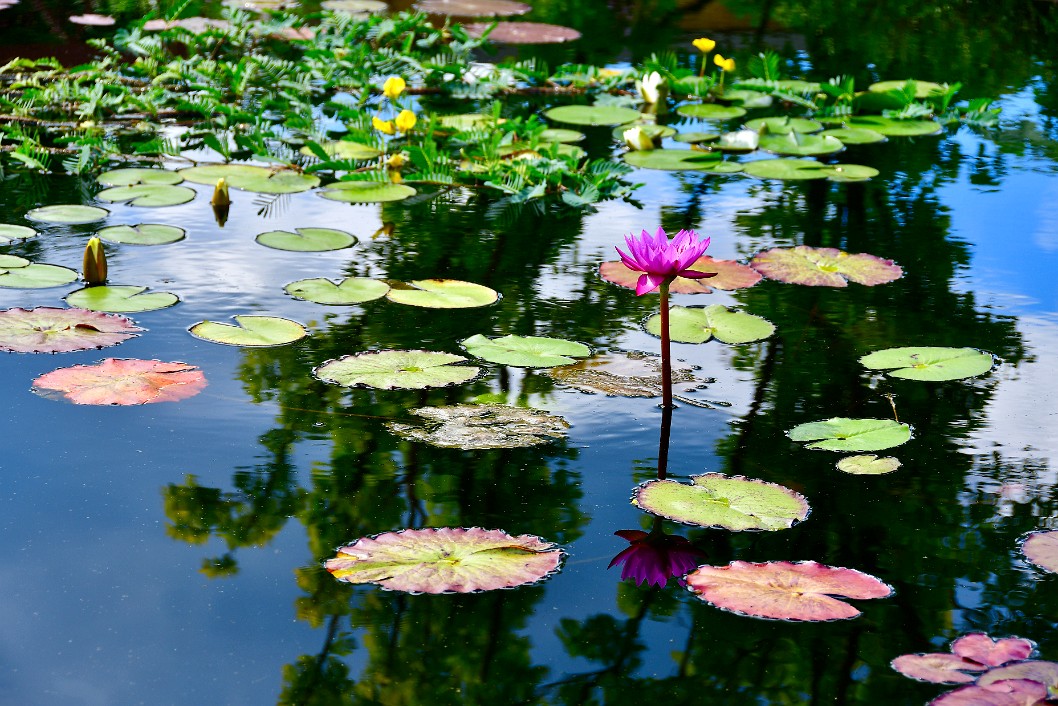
column 666, row 357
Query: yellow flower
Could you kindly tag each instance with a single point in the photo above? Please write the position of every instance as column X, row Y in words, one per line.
column 396, row 161
column 704, row 44
column 95, row 263
column 220, row 194
column 724, row 64
column 385, row 126
column 393, row 87
column 405, row 120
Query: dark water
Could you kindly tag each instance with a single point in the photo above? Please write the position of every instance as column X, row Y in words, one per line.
column 170, row 554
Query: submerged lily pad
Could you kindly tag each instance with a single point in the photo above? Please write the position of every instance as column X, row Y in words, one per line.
column 698, row 325
column 248, row 177
column 148, row 195
column 143, row 234
column 843, row 434
column 593, row 114
column 794, row 143
column 731, row 502
column 120, row 299
column 351, row 290
column 824, row 267
column 54, row 330
column 730, row 275
column 868, row 465
column 855, row 136
column 131, row 177
column 558, row 134
column 345, row 149
column 19, row 273
column 936, row 668
column 523, row 32
column 710, row 111
column 389, row 370
column 250, row 330
column 68, row 214
column 526, row 351
column 10, row 233
column 367, row 191
column 1041, row 548
column 784, row 590
column 784, row 125
column 443, row 294
column 117, row 381
column 473, row 8
column 619, row 375
column 487, row 426
column 307, row 239
column 930, row 363
column 891, row 127
column 446, row 560
column 674, row 160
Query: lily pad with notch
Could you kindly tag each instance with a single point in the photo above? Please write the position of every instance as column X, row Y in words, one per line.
column 351, row 290
column 117, row 381
column 11, row 233
column 558, row 134
column 473, row 8
column 699, row 324
column 731, row 502
column 390, row 370
column 677, row 160
column 482, row 426
column 892, row 127
column 250, row 331
column 134, row 176
column 1008, row 692
column 307, row 239
column 784, row 125
column 366, row 191
column 68, row 214
column 526, row 351
column 522, row 32
column 798, row 144
column 710, row 111
column 937, row 668
column 855, row 136
column 248, row 177
column 55, row 330
column 933, row 364
column 844, row 434
column 1041, row 548
column 148, row 195
column 345, row 149
column 142, row 234
column 121, row 299
column 608, row 115
column 730, row 275
column 442, row 294
column 19, row 273
column 868, row 465
column 824, row 267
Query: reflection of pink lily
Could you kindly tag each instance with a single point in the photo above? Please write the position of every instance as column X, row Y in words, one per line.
column 655, row 557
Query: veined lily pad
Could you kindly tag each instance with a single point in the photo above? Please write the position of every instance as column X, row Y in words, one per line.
column 785, row 125
column 936, row 668
column 868, row 465
column 473, row 8
column 1039, row 671
column 794, row 143
column 482, row 426
column 53, row 330
column 19, row 273
column 557, row 134
column 698, row 325
column 446, row 560
column 843, row 434
column 131, row 177
column 10, row 233
column 250, row 331
column 675, row 160
column 892, row 127
column 730, row 275
column 593, row 114
column 855, row 136
column 710, row 111
column 354, row 7
column 389, row 370
column 150, row 195
column 526, row 351
column 715, row 500
column 120, row 299
column 923, row 89
column 523, row 32
column 784, row 590
column 1008, row 692
column 1041, row 548
column 443, row 294
column 143, row 234
column 824, row 267
column 619, row 375
column 929, row 363
column 351, row 290
column 307, row 239
column 248, row 177
column 345, row 149
column 695, row 138
column 366, row 191
column 68, row 214
column 117, row 381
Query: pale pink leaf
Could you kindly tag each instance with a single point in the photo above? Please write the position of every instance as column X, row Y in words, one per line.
column 117, row 381
column 523, row 32
column 93, row 20
column 824, row 267
column 936, row 668
column 1017, row 692
column 729, row 275
column 1040, row 671
column 1041, row 548
column 54, row 330
column 991, row 653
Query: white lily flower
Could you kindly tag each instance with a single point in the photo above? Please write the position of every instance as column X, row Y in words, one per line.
column 652, row 88
column 637, row 139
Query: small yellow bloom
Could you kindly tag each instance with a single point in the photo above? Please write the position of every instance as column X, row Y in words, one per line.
column 724, row 64
column 385, row 126
column 609, row 73
column 95, row 262
column 396, row 161
column 704, row 44
column 405, row 120
column 220, row 194
column 393, row 87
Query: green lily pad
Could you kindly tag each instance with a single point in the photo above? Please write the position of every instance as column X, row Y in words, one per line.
column 786, row 169
column 142, row 234
column 592, row 114
column 131, row 177
column 520, row 149
column 824, row 267
column 389, row 370
column 443, row 294
column 785, row 125
column 748, row 99
column 468, row 121
column 366, row 191
column 557, row 134
column 787, row 85
column 842, row 434
column 868, row 465
column 250, row 331
column 855, row 136
column 715, row 500
column 651, row 130
column 20, row 273
column 796, row 144
column 710, row 111
column 849, row 172
column 698, row 325
column 120, row 299
column 892, row 127
column 923, row 89
column 695, row 138
column 344, row 149
column 10, row 233
column 150, row 195
column 351, row 290
column 930, row 364
column 307, row 239
column 68, row 214
column 482, row 426
column 526, row 351
column 677, row 160
column 248, row 177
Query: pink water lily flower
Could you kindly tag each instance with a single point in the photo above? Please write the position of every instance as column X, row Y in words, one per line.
column 663, row 260
column 655, row 557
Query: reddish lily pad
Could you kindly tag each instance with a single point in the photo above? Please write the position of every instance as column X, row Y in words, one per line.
column 53, row 330
column 473, row 8
column 937, row 668
column 1039, row 671
column 784, row 590
column 715, row 500
column 446, row 560
column 1041, row 548
column 117, row 381
column 991, row 653
column 729, row 275
column 824, row 267
column 523, row 32
column 1011, row 692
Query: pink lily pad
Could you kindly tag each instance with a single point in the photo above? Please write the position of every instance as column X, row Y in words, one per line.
column 523, row 32
column 937, row 668
column 446, row 560
column 729, row 275
column 1011, row 692
column 785, row 590
column 1041, row 548
column 473, row 8
column 54, row 330
column 1039, row 671
column 118, row 381
column 824, row 267
column 991, row 653
column 93, row 20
